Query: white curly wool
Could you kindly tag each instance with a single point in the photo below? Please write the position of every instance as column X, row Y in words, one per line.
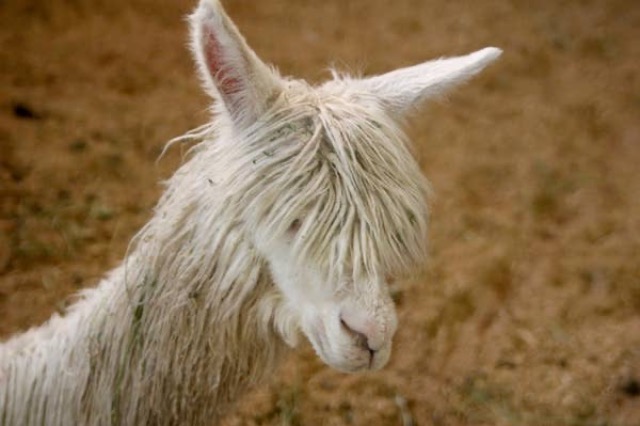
column 293, row 210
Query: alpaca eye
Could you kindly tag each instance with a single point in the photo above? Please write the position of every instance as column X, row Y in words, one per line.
column 295, row 226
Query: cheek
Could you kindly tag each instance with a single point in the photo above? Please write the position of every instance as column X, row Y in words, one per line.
column 301, row 286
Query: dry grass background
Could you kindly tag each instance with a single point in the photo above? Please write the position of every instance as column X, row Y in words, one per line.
column 529, row 313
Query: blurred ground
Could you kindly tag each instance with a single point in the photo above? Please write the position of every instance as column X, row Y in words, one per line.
column 530, row 311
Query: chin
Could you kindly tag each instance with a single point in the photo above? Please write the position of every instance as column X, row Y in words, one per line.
column 355, row 362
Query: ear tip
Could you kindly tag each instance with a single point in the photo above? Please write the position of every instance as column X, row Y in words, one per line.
column 209, row 3
column 208, row 13
column 488, row 54
column 207, row 7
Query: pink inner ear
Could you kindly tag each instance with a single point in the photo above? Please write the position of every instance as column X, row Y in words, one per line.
column 223, row 74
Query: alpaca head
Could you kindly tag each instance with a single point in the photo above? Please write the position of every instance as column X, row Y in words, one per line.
column 332, row 198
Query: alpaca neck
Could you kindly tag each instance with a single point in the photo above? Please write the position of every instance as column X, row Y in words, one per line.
column 172, row 336
column 199, row 305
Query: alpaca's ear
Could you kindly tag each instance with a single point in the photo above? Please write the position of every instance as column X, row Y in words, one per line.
column 231, row 72
column 405, row 88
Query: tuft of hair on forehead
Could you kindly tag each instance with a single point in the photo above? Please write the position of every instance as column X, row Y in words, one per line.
column 343, row 171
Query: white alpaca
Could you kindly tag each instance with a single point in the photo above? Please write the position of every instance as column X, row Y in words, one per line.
column 293, row 209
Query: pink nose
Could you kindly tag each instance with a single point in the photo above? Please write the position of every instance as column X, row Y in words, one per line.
column 367, row 333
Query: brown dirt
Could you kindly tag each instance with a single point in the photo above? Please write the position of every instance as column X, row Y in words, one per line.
column 529, row 313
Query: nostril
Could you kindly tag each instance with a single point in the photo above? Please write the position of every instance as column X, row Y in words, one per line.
column 361, row 339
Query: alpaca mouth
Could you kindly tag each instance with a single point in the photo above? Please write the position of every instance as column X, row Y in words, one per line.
column 351, row 359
